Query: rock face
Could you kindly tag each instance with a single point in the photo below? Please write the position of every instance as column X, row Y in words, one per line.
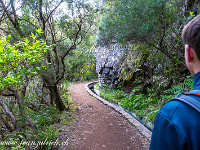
column 108, row 63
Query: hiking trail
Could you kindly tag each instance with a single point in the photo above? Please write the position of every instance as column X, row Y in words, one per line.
column 99, row 127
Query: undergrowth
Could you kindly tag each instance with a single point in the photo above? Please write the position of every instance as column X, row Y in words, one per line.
column 48, row 122
column 145, row 106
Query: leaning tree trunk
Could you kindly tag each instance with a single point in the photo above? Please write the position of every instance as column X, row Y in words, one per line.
column 8, row 112
column 19, row 99
column 55, row 97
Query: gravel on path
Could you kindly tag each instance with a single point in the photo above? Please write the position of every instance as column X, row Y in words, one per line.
column 99, row 127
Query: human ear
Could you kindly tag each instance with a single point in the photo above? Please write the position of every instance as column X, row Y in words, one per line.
column 190, row 53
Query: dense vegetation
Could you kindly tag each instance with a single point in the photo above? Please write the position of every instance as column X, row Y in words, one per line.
column 46, row 44
column 43, row 46
column 143, row 105
column 154, row 29
column 154, row 65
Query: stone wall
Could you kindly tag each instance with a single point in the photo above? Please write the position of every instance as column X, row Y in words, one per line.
column 108, row 63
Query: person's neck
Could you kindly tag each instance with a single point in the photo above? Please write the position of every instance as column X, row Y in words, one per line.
column 194, row 66
column 196, row 69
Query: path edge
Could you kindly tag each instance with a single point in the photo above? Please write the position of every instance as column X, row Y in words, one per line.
column 142, row 129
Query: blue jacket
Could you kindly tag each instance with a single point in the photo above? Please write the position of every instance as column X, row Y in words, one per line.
column 177, row 125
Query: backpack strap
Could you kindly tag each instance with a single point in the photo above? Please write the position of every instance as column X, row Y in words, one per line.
column 188, row 100
column 193, row 92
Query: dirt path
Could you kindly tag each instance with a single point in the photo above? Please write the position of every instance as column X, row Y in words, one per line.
column 99, row 127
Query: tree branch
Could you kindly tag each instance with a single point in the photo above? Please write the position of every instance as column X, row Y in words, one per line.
column 53, row 35
column 6, row 11
column 21, row 107
column 53, row 11
column 7, row 94
column 15, row 21
column 8, row 112
column 28, row 22
column 41, row 15
column 160, row 49
column 73, row 46
column 14, row 12
column 4, row 31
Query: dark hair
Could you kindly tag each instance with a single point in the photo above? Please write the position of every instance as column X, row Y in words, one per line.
column 191, row 34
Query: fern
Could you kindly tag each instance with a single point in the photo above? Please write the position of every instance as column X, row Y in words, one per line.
column 185, row 86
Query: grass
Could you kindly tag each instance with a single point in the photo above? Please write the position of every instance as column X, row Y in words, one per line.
column 145, row 106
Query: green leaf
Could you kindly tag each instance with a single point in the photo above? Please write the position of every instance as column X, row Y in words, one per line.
column 39, row 31
column 9, row 37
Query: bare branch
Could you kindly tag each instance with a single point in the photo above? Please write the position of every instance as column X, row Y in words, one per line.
column 14, row 12
column 7, row 94
column 73, row 46
column 63, row 71
column 4, row 31
column 21, row 107
column 63, row 63
column 1, row 19
column 41, row 15
column 15, row 21
column 53, row 11
column 6, row 11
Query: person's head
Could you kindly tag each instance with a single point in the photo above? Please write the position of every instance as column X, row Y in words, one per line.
column 191, row 37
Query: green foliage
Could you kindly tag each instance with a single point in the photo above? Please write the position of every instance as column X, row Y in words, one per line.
column 22, row 58
column 128, row 19
column 49, row 120
column 131, row 64
column 182, row 87
column 81, row 65
column 111, row 94
column 64, row 24
column 13, row 142
column 46, row 118
column 19, row 59
column 155, row 29
column 145, row 106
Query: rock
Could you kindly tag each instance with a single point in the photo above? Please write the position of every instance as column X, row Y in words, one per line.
column 108, row 63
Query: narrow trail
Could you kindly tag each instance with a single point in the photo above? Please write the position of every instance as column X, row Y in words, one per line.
column 99, row 127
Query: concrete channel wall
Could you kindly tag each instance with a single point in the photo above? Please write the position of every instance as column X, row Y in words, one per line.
column 141, row 128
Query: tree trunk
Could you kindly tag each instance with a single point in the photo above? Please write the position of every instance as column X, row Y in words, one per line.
column 20, row 104
column 8, row 112
column 13, row 20
column 19, row 99
column 55, row 97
